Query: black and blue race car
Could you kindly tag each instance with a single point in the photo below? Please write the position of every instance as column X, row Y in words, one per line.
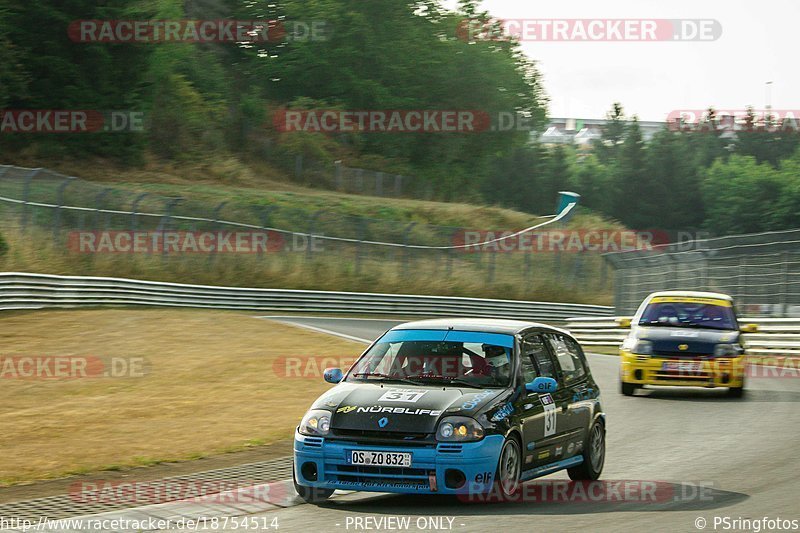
column 467, row 406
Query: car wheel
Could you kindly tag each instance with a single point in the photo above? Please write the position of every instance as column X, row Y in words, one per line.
column 311, row 494
column 627, row 388
column 594, row 455
column 736, row 392
column 509, row 469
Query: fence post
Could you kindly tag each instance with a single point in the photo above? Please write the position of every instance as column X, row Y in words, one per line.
column 406, row 250
column 529, row 265
column 216, row 225
column 134, row 208
column 379, row 184
column 98, row 200
column 360, row 180
column 264, row 213
column 450, row 251
column 163, row 224
column 398, row 185
column 298, row 167
column 26, row 191
column 338, row 172
column 490, row 270
column 784, row 300
column 312, row 231
column 362, row 236
column 59, row 204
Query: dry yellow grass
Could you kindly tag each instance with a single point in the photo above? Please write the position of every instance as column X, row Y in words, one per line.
column 210, row 387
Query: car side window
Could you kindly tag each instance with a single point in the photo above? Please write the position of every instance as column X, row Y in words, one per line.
column 535, row 351
column 568, row 356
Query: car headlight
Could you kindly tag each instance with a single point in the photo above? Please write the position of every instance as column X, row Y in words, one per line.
column 459, row 429
column 727, row 350
column 316, row 423
column 643, row 347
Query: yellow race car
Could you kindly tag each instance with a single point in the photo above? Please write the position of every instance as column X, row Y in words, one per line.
column 684, row 339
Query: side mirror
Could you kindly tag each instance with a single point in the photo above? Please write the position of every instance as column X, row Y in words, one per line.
column 332, row 375
column 749, row 328
column 623, row 322
column 542, row 385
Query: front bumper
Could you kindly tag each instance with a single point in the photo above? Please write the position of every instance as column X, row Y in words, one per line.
column 428, row 474
column 649, row 370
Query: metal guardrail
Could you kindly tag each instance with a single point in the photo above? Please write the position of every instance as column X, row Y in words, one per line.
column 37, row 291
column 776, row 336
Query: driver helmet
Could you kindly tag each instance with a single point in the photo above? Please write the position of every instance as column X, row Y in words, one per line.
column 497, row 358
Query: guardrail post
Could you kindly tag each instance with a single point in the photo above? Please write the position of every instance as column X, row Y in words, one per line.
column 26, row 191
column 134, row 210
column 59, row 204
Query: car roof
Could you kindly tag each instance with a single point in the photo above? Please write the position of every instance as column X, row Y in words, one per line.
column 486, row 325
column 692, row 294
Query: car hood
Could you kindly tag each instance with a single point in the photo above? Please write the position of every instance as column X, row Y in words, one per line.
column 400, row 408
column 697, row 341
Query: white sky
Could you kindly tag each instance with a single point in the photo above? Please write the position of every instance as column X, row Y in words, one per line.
column 759, row 43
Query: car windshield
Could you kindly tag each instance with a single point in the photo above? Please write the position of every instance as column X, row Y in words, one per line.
column 689, row 314
column 457, row 358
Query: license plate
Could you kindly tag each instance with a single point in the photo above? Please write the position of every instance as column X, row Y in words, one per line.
column 372, row 458
column 677, row 366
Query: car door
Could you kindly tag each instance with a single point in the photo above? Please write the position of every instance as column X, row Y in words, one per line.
column 573, row 391
column 542, row 420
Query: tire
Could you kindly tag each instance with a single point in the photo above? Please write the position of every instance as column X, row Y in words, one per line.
column 736, row 392
column 594, row 455
column 627, row 388
column 311, row 494
column 509, row 470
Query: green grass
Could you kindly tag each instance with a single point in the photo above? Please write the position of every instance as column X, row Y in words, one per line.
column 544, row 276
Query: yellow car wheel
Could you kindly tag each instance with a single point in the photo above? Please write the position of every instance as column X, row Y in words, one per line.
column 627, row 388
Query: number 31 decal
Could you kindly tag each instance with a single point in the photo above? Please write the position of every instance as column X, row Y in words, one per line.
column 402, row 395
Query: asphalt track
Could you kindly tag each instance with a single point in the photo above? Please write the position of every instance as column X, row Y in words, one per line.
column 712, row 456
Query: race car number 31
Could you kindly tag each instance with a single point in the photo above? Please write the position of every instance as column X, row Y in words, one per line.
column 364, row 457
column 549, row 414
